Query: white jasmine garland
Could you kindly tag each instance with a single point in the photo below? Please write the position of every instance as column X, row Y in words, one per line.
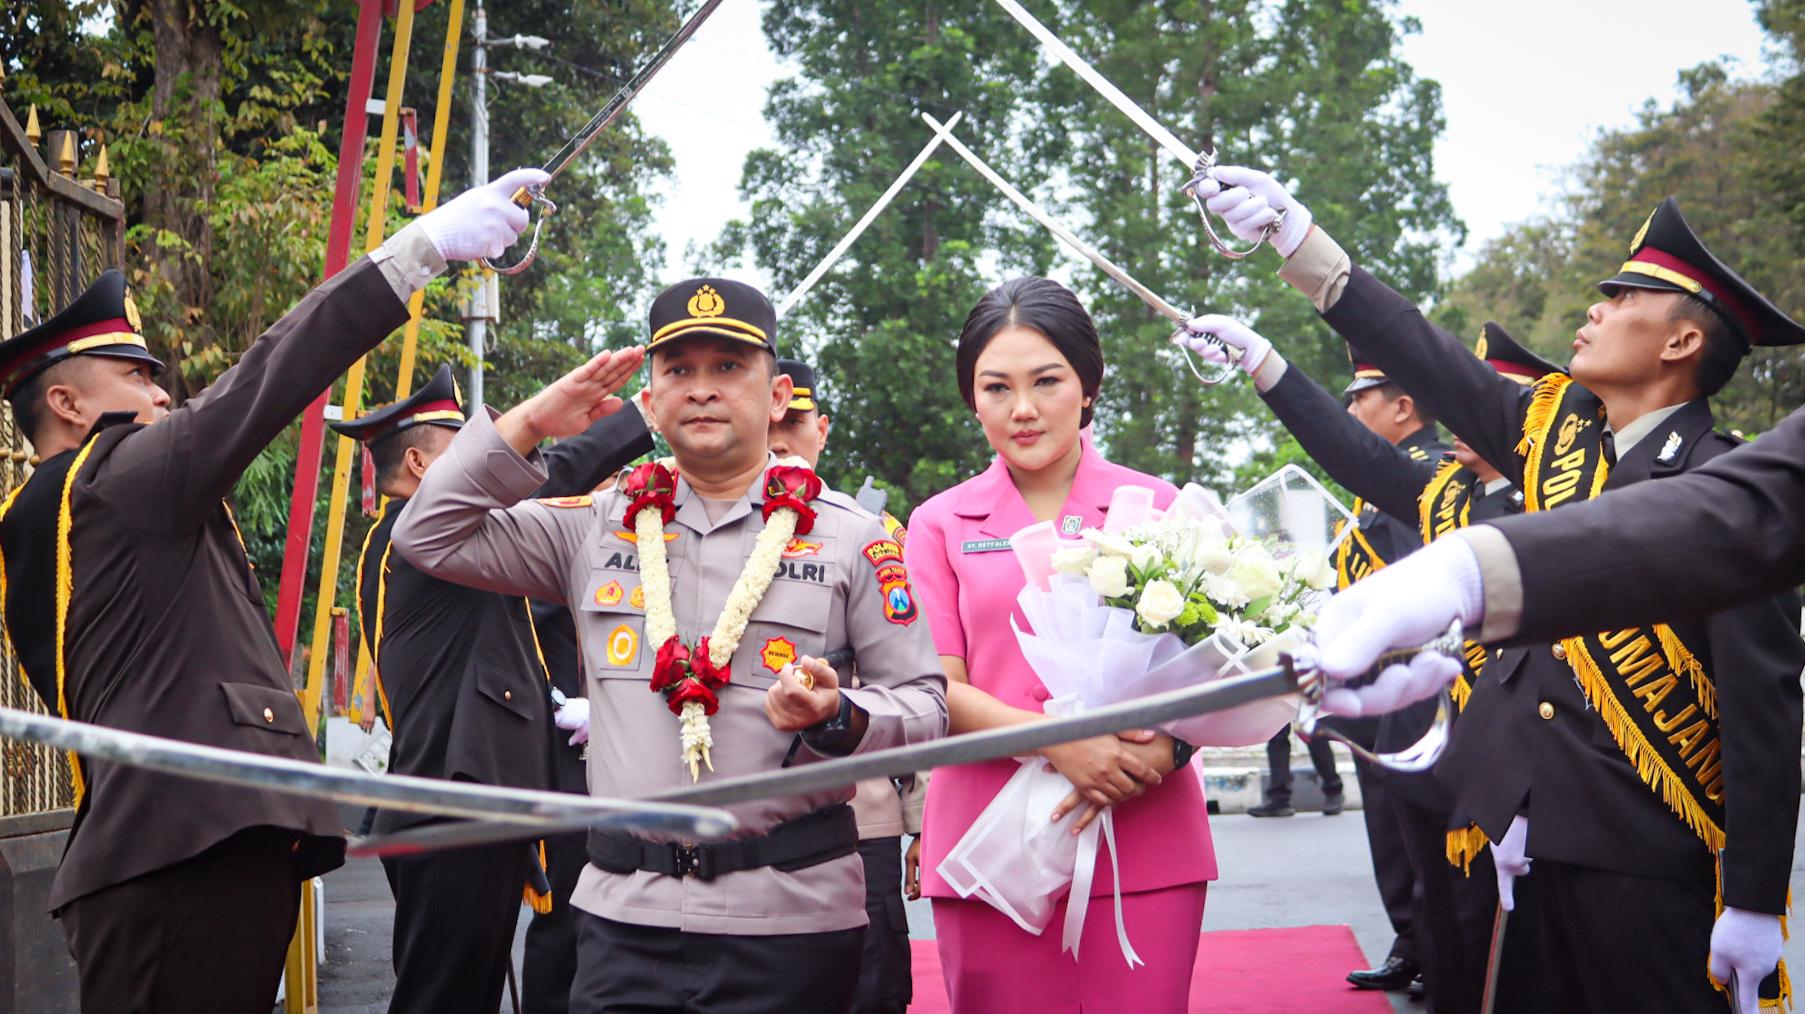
column 661, row 623
column 1160, row 604
column 1109, row 576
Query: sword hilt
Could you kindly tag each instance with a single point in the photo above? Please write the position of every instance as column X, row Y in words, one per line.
column 1419, row 756
column 1206, row 164
column 525, row 197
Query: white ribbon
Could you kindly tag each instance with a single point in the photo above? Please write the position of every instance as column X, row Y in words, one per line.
column 1084, row 870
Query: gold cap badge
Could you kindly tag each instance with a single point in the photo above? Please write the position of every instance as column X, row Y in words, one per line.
column 706, row 303
column 1636, row 244
column 131, row 314
column 1480, row 346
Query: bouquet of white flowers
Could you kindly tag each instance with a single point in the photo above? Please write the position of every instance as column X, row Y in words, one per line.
column 1155, row 601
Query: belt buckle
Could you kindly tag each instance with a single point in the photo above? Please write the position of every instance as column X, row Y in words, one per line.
column 691, row 860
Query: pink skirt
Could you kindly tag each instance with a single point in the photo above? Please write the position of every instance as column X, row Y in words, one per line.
column 993, row 966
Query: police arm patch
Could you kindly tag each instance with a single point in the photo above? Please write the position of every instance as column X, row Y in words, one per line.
column 899, row 598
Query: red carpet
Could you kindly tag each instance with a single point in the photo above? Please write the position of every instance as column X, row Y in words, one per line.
column 1270, row 970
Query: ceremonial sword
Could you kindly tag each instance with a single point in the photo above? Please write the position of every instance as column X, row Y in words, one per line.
column 1198, row 163
column 515, row 806
column 1089, row 253
column 526, row 197
column 859, row 228
column 1293, row 674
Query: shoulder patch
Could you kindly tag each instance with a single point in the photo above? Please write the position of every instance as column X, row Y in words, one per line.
column 568, row 501
column 883, row 551
column 899, row 599
column 894, row 528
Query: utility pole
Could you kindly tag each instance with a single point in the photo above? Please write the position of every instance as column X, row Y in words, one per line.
column 484, row 306
column 479, row 311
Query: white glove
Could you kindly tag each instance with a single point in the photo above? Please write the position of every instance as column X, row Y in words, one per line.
column 1428, row 674
column 573, row 714
column 1408, row 603
column 482, row 221
column 1510, row 863
column 1746, row 945
column 1226, row 331
column 1249, row 201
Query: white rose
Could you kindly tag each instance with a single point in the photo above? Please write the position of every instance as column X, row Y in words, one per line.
column 1072, row 559
column 1160, row 604
column 1225, row 591
column 1257, row 572
column 1144, row 556
column 1314, row 570
column 1211, row 554
column 1109, row 576
column 1107, row 544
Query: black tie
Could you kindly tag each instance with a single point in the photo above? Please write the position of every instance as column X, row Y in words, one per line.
column 1610, row 449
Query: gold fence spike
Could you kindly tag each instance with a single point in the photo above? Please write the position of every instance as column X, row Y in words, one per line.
column 101, row 173
column 33, row 132
column 65, row 159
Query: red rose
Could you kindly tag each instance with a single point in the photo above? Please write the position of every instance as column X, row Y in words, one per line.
column 672, row 665
column 651, row 485
column 702, row 666
column 792, row 487
column 693, row 690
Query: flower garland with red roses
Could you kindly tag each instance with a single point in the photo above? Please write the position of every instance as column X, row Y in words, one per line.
column 691, row 678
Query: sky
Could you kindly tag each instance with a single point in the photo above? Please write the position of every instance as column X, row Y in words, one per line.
column 1525, row 86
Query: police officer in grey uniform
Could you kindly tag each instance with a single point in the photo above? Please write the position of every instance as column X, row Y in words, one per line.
column 774, row 919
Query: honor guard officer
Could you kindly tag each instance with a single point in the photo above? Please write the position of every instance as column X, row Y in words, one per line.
column 1657, row 762
column 886, row 809
column 667, row 558
column 1438, row 495
column 461, row 679
column 131, row 603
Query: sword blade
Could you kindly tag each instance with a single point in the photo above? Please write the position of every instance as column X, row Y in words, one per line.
column 970, row 748
column 1142, row 119
column 1058, row 228
column 520, row 807
column 618, row 104
column 870, row 216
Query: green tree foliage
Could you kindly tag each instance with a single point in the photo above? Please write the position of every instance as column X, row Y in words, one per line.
column 1313, row 89
column 1725, row 149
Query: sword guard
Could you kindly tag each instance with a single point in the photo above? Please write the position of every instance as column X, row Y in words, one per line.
column 546, row 210
column 1205, row 169
column 1418, row 756
column 1225, row 373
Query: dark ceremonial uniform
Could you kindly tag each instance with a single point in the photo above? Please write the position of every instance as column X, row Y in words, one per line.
column 176, row 894
column 1725, row 533
column 1624, row 851
column 775, row 919
column 550, row 962
column 886, row 809
column 460, row 676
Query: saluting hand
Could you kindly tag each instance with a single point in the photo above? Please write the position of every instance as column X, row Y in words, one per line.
column 572, row 402
column 807, row 692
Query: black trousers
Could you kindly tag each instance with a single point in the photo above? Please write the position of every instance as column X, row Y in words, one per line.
column 1392, row 870
column 628, row 969
column 886, row 982
column 207, row 934
column 1618, row 942
column 551, row 938
column 1278, row 758
column 455, row 913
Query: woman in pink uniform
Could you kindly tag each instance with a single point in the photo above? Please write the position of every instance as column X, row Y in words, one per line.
column 1030, row 366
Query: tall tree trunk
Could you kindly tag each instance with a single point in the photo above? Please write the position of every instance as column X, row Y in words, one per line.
column 185, row 99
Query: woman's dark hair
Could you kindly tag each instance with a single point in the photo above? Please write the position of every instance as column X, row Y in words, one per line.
column 1045, row 306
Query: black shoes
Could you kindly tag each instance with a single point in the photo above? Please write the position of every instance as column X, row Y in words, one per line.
column 1332, row 804
column 1394, row 974
column 1271, row 810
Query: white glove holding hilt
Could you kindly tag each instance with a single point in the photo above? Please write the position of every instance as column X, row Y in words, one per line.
column 573, row 715
column 1745, row 948
column 1209, row 334
column 483, row 221
column 1250, row 201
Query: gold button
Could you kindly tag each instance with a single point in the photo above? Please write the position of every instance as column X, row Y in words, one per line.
column 269, row 717
column 507, row 695
column 1560, row 652
column 1546, row 710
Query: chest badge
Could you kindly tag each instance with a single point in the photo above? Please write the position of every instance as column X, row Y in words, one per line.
column 777, row 653
column 623, row 646
column 638, row 599
column 1071, row 524
column 610, row 594
column 799, row 548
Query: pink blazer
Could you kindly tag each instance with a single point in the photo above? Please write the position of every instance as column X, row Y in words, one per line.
column 966, row 581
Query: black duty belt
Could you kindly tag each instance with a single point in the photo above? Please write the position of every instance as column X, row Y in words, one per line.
column 808, row 840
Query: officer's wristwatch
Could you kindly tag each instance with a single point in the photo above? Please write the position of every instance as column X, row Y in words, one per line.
column 1182, row 752
column 834, row 735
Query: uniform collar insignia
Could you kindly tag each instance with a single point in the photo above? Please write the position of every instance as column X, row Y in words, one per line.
column 1671, row 449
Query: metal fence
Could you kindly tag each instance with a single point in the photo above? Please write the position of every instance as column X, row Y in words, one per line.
column 57, row 233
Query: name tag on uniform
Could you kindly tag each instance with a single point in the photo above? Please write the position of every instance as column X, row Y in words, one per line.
column 986, row 546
